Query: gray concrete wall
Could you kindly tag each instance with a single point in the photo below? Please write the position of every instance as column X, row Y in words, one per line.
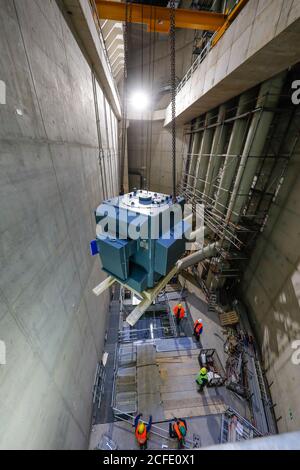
column 159, row 155
column 155, row 153
column 271, row 289
column 51, row 323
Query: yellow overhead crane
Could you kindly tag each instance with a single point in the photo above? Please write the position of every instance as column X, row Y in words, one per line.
column 158, row 18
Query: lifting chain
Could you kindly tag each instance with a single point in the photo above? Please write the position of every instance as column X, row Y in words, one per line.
column 124, row 97
column 173, row 90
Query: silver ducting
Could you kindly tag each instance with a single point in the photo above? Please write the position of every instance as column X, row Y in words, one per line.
column 235, row 147
column 204, row 154
column 215, row 156
column 196, row 142
column 195, row 258
column 258, row 132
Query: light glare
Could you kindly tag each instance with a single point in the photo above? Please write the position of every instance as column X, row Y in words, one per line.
column 139, row 101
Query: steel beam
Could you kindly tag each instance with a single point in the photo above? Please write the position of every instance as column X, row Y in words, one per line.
column 230, row 18
column 158, row 18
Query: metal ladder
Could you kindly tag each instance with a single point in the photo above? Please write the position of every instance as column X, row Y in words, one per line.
column 212, row 301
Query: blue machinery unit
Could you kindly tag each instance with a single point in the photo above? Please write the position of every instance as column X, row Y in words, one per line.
column 140, row 236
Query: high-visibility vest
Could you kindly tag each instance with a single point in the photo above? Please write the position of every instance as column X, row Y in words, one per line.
column 141, row 438
column 178, row 312
column 177, row 430
column 198, row 327
column 202, row 377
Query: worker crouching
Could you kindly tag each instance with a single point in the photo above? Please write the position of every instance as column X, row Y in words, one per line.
column 178, row 430
column 142, row 431
column 179, row 313
column 202, row 379
column 198, row 329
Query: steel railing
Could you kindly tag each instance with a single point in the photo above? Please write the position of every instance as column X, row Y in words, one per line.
column 207, row 48
column 156, row 430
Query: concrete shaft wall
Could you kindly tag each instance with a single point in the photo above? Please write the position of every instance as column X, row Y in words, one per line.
column 271, row 288
column 149, row 143
column 52, row 325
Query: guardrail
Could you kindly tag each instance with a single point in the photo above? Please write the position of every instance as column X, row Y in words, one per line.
column 128, row 336
column 157, row 431
column 195, row 64
column 210, row 44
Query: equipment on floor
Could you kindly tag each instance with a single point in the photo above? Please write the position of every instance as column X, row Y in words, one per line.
column 140, row 237
column 209, row 359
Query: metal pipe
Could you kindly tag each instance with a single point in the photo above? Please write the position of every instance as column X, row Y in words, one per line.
column 194, row 151
column 254, row 146
column 156, row 430
column 204, row 153
column 150, row 295
column 207, row 252
column 199, row 232
column 106, row 284
column 234, row 148
column 216, row 150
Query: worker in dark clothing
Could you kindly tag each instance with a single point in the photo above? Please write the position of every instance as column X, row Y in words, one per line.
column 198, row 329
column 178, row 430
column 202, row 379
column 142, row 431
column 179, row 313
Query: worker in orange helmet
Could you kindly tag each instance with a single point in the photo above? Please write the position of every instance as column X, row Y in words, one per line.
column 198, row 328
column 142, row 431
column 178, row 429
column 179, row 313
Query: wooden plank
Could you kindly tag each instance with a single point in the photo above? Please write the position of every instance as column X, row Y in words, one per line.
column 150, row 404
column 176, row 383
column 183, row 395
column 193, row 402
column 148, row 379
column 146, row 355
column 197, row 411
column 229, row 318
column 178, row 360
column 178, row 371
column 172, row 354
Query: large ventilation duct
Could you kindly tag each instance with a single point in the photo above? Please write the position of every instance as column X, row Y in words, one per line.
column 215, row 160
column 207, row 252
column 196, row 142
column 204, row 154
column 234, row 150
column 148, row 297
column 258, row 132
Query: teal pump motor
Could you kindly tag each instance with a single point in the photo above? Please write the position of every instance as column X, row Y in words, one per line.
column 140, row 237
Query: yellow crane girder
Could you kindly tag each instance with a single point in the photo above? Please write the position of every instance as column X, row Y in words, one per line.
column 158, row 18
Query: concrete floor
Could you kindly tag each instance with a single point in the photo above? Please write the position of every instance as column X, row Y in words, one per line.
column 206, row 429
